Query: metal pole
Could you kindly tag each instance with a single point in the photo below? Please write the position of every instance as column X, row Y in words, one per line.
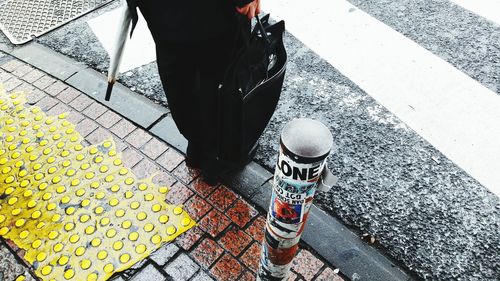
column 304, row 146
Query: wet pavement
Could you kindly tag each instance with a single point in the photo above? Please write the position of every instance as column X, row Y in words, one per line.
column 422, row 209
column 224, row 245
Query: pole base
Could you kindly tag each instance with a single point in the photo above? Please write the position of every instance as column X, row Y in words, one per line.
column 109, row 90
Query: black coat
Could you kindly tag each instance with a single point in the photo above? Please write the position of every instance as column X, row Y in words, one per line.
column 187, row 20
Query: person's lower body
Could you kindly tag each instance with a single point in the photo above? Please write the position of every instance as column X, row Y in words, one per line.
column 191, row 74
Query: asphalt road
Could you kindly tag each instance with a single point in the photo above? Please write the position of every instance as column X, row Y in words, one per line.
column 423, row 210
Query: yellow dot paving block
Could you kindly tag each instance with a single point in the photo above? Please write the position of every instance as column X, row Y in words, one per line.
column 78, row 213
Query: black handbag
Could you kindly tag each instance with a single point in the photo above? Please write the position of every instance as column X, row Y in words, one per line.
column 250, row 91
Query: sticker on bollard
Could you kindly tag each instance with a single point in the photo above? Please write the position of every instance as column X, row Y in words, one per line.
column 276, row 263
column 276, row 242
column 304, row 146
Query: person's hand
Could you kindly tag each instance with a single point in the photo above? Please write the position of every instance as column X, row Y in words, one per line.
column 250, row 10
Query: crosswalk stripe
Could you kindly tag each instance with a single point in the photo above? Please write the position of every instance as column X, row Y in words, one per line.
column 140, row 49
column 489, row 9
column 452, row 111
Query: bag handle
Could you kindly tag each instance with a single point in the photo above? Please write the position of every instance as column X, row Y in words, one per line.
column 262, row 30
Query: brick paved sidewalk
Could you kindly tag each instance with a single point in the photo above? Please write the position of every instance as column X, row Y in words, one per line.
column 225, row 245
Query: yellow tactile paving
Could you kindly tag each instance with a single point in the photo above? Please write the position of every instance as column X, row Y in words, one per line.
column 78, row 213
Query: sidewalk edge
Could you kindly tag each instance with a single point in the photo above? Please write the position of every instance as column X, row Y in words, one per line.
column 143, row 112
column 356, row 259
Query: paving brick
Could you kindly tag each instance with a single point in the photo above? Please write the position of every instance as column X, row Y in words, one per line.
column 138, row 265
column 75, row 117
column 149, row 273
column 94, row 110
column 81, row 102
column 138, row 138
column 251, row 257
column 241, row 213
column 207, row 252
column 118, row 278
column 197, row 207
column 185, row 174
column 98, row 135
column 202, row 188
column 120, row 145
column 306, row 264
column 329, row 275
column 130, row 157
column 56, row 88
column 122, row 128
column 292, row 276
column 235, row 241
column 12, row 245
column 257, row 228
column 154, row 148
column 86, row 126
column 247, row 276
column 179, row 193
column 22, row 70
column 227, row 268
column 46, row 103
column 164, row 254
column 164, row 179
column 35, row 96
column 58, row 109
column 145, row 168
column 214, row 222
column 68, row 95
column 4, row 76
column 222, row 198
column 20, row 254
column 187, row 240
column 12, row 65
column 24, row 87
column 12, row 83
column 170, row 159
column 182, row 268
column 43, row 82
column 202, row 276
column 108, row 119
column 33, row 75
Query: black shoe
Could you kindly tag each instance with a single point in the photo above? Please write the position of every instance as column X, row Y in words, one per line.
column 209, row 178
column 194, row 156
column 212, row 171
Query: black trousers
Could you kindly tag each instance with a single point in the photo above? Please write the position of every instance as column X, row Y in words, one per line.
column 191, row 73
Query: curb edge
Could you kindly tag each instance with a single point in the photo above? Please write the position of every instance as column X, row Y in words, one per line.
column 356, row 259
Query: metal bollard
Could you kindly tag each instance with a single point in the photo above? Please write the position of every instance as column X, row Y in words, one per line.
column 300, row 171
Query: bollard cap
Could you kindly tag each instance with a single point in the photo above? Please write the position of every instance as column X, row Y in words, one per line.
column 307, row 138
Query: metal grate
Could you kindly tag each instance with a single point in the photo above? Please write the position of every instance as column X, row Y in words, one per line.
column 21, row 20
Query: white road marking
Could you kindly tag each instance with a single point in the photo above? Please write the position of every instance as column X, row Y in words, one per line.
column 453, row 112
column 139, row 50
column 489, row 9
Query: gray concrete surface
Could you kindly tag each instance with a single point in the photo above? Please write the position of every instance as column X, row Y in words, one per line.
column 10, row 267
column 422, row 209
